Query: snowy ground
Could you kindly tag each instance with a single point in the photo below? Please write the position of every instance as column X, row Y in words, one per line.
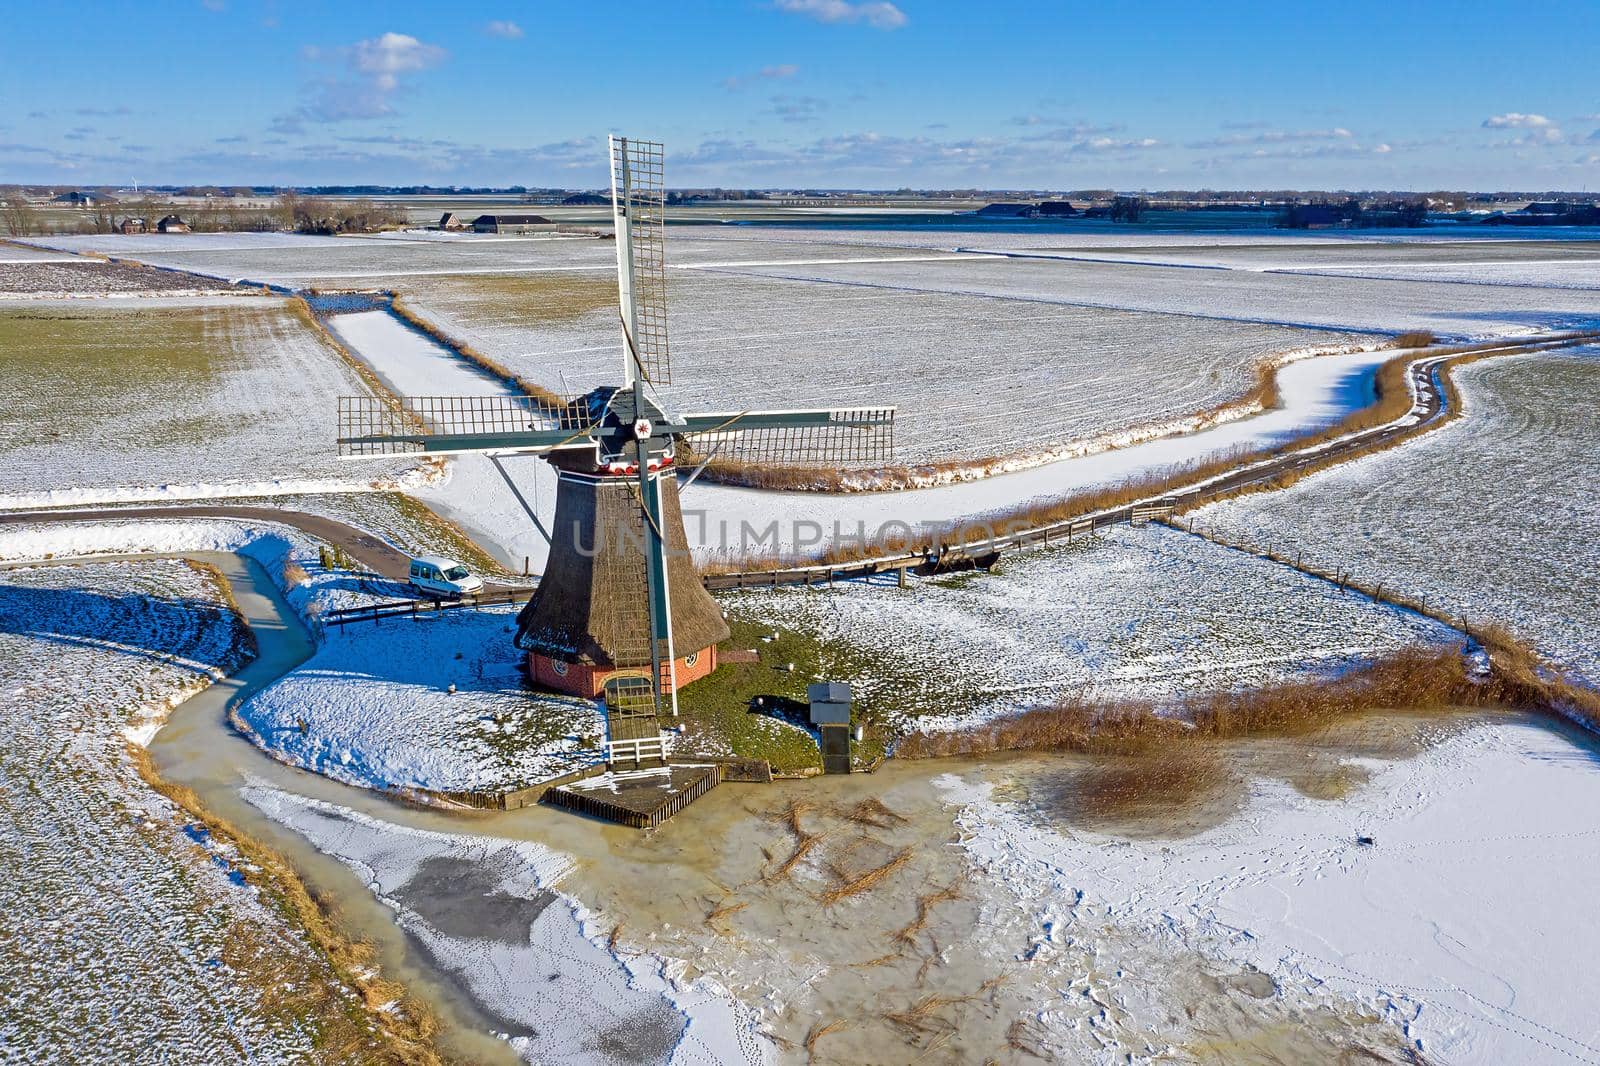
column 1149, row 612
column 184, row 400
column 972, row 376
column 123, row 936
column 473, row 493
column 490, row 914
column 1465, row 925
column 1490, row 516
column 61, row 277
column 1306, row 300
column 373, row 708
column 1315, row 393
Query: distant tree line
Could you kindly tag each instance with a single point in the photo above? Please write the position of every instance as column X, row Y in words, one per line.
column 1352, row 213
column 288, row 213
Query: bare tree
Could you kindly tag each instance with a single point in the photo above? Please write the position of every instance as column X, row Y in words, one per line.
column 18, row 215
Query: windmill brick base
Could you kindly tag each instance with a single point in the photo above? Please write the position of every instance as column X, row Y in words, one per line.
column 586, row 621
column 583, row 679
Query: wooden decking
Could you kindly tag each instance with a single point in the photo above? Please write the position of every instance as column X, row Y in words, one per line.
column 642, row 799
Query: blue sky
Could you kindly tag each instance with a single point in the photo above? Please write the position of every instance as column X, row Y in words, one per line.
column 872, row 94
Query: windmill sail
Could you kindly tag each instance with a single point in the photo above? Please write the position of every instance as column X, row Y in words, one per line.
column 373, row 425
column 829, row 437
column 638, row 210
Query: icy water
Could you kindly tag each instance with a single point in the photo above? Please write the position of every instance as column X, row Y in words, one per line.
column 935, row 960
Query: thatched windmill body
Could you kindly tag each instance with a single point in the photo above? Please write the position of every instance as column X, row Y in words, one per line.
column 620, row 612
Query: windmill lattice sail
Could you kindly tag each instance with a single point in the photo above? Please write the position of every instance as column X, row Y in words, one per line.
column 825, row 438
column 372, row 425
column 638, row 192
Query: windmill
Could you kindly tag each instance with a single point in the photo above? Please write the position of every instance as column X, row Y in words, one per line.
column 620, row 612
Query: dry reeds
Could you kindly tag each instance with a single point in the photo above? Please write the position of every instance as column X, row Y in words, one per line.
column 815, row 1034
column 907, row 934
column 872, row 812
column 1416, row 338
column 1162, row 778
column 1022, row 1036
column 1413, row 678
column 923, row 1015
column 863, row 882
column 804, row 840
column 723, row 910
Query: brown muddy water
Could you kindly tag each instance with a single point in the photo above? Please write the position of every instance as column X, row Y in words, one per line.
column 844, row 908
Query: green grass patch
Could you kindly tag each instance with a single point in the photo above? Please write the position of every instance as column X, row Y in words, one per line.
column 716, row 710
column 75, row 368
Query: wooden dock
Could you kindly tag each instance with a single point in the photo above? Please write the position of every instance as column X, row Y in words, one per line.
column 642, row 799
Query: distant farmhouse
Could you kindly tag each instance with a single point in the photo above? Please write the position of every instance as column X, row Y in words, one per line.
column 1044, row 209
column 172, row 224
column 1009, row 211
column 509, row 223
column 81, row 198
column 1548, row 213
column 129, row 226
column 451, row 220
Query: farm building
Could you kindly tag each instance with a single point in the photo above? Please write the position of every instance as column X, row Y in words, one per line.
column 1007, row 210
column 80, row 198
column 509, row 223
column 129, row 226
column 451, row 220
column 172, row 224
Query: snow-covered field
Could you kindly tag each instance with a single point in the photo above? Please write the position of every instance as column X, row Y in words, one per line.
column 971, row 375
column 127, row 933
column 72, row 278
column 490, row 913
column 1492, row 516
column 1305, row 300
column 181, row 400
column 1466, row 925
column 373, row 708
column 1134, row 612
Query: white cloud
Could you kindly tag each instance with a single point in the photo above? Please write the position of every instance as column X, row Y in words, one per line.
column 503, row 28
column 385, row 58
column 375, row 70
column 1516, row 120
column 876, row 13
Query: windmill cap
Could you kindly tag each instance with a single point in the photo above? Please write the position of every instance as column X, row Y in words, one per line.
column 828, row 692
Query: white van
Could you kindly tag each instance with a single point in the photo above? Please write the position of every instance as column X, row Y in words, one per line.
column 443, row 577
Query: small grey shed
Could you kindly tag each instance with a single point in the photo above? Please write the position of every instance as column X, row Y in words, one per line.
column 830, row 702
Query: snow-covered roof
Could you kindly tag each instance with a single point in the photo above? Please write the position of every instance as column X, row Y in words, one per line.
column 439, row 562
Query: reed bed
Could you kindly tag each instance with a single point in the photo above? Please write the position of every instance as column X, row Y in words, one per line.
column 1411, row 679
